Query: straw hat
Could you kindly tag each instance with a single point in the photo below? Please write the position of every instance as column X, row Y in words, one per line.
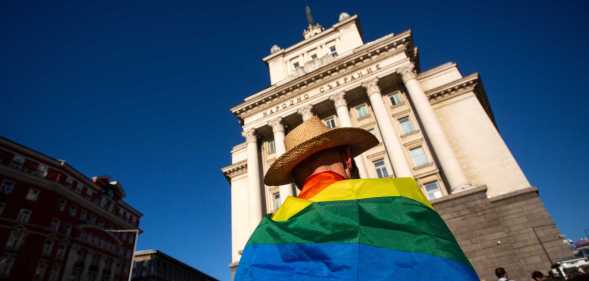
column 310, row 137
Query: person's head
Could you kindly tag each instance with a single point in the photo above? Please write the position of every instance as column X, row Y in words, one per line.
column 312, row 147
column 538, row 276
column 500, row 272
column 338, row 160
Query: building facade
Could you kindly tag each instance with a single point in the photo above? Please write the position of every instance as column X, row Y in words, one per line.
column 435, row 125
column 154, row 265
column 56, row 224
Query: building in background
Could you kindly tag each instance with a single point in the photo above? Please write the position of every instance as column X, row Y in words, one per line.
column 154, row 265
column 58, row 224
column 435, row 125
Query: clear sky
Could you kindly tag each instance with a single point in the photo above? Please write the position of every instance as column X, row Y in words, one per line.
column 141, row 91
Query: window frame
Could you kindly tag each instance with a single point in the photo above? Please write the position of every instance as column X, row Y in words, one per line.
column 8, row 183
column 359, row 114
column 406, row 130
column 330, row 122
column 426, row 160
column 437, row 190
column 381, row 170
column 33, row 194
column 24, row 216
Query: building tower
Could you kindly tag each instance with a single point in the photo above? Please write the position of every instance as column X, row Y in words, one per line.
column 435, row 125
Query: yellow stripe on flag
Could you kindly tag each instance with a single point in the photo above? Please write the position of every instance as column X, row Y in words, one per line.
column 355, row 189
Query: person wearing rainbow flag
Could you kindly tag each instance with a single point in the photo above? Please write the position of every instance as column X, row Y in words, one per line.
column 339, row 228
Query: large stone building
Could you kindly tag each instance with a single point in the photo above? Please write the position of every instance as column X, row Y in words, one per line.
column 154, row 265
column 435, row 125
column 58, row 224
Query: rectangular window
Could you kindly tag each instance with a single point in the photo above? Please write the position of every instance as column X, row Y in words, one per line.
column 418, row 156
column 432, row 190
column 60, row 251
column 78, row 188
column 15, row 240
column 67, row 229
column 73, row 211
column 271, row 147
column 332, row 51
column 296, row 65
column 61, row 204
column 276, row 200
column 329, row 122
column 40, row 271
column 33, row 194
column 6, row 266
column 48, row 247
column 24, row 215
column 83, row 214
column 7, row 186
column 381, row 168
column 41, row 170
column 361, row 111
column 395, row 99
column 17, row 162
column 406, row 125
column 55, row 223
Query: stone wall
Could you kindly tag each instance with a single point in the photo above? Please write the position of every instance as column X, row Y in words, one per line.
column 513, row 231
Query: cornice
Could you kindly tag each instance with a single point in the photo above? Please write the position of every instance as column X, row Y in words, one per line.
column 365, row 53
column 433, row 71
column 234, row 170
column 453, row 89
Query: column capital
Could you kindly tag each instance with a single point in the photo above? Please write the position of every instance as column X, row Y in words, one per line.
column 407, row 72
column 276, row 125
column 250, row 135
column 339, row 99
column 306, row 111
column 371, row 87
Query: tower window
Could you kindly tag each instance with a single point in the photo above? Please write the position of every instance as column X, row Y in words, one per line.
column 7, row 186
column 33, row 194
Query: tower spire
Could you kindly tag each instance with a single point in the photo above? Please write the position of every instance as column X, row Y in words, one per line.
column 313, row 28
column 309, row 14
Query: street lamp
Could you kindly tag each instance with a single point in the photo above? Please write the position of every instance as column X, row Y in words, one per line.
column 136, row 231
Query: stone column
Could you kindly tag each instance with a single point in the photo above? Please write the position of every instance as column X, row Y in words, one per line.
column 341, row 107
column 254, row 186
column 390, row 138
column 433, row 130
column 278, row 131
column 307, row 112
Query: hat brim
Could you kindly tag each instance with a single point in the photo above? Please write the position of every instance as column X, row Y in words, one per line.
column 359, row 140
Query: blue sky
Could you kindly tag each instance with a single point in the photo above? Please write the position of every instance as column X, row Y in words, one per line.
column 141, row 90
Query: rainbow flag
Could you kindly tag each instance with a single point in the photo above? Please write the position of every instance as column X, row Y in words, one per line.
column 365, row 229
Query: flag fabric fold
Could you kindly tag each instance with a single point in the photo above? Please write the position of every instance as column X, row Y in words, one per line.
column 362, row 229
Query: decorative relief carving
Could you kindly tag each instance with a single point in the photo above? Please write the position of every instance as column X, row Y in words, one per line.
column 339, row 99
column 407, row 72
column 276, row 125
column 371, row 87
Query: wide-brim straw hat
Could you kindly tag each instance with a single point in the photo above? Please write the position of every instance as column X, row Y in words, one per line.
column 310, row 137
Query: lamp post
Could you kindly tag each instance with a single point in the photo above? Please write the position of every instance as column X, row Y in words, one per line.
column 136, row 231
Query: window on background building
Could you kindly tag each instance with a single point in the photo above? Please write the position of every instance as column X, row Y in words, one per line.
column 73, row 210
column 329, row 122
column 395, row 99
column 24, row 215
column 432, row 190
column 79, row 187
column 406, row 125
column 2, row 207
column 7, row 186
column 33, row 194
column 276, row 200
column 42, row 170
column 67, row 229
column 61, row 204
column 6, row 266
column 15, row 239
column 332, row 51
column 381, row 168
column 271, row 147
column 83, row 214
column 55, row 223
column 47, row 247
column 17, row 162
column 361, row 111
column 60, row 251
column 418, row 156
